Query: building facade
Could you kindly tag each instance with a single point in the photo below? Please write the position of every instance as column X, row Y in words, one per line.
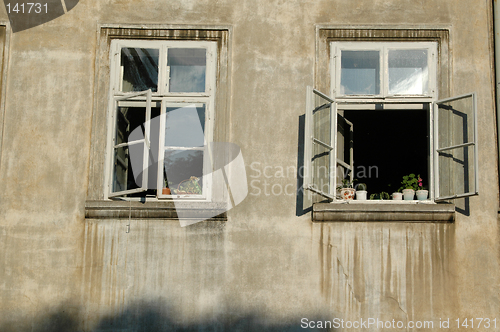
column 119, row 212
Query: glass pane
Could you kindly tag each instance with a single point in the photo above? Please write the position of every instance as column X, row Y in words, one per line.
column 408, row 72
column 321, row 120
column 187, row 69
column 320, row 162
column 360, row 73
column 128, row 119
column 321, row 168
column 344, row 145
column 456, row 122
column 456, row 171
column 127, row 168
column 154, row 148
column 185, row 125
column 184, row 171
column 140, row 69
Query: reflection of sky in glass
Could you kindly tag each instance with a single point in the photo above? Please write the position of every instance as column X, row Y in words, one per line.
column 185, row 125
column 140, row 69
column 360, row 73
column 187, row 69
column 408, row 72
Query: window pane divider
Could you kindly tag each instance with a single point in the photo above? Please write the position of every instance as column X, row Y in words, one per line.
column 445, row 198
column 186, row 148
column 344, row 164
column 383, row 101
column 128, row 143
column 128, row 95
column 321, row 94
column 319, row 192
column 317, row 141
column 455, row 146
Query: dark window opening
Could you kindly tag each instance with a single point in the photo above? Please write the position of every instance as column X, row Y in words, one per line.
column 388, row 144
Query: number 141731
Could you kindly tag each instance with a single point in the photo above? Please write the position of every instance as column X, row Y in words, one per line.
column 476, row 323
column 27, row 8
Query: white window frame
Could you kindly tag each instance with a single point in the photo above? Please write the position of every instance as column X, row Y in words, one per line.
column 162, row 96
column 145, row 141
column 344, row 102
column 383, row 49
column 443, row 149
column 311, row 139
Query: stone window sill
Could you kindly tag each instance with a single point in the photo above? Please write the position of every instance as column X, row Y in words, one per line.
column 375, row 212
column 102, row 209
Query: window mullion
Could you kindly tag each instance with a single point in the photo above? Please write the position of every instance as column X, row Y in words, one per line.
column 163, row 71
column 161, row 150
column 147, row 143
column 334, row 65
column 432, row 137
column 384, row 72
column 116, row 69
column 333, row 152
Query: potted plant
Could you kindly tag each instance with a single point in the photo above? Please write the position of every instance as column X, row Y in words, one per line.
column 397, row 195
column 409, row 186
column 361, row 192
column 381, row 196
column 189, row 187
column 421, row 192
column 346, row 189
column 166, row 189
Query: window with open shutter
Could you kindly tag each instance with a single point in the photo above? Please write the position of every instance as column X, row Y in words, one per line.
column 131, row 144
column 456, row 163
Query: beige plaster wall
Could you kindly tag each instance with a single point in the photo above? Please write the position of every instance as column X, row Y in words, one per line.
column 265, row 267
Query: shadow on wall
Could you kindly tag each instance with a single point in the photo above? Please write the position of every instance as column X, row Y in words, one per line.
column 301, row 204
column 148, row 317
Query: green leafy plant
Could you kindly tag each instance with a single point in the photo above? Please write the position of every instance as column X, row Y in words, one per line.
column 361, row 187
column 190, row 186
column 383, row 195
column 346, row 184
column 411, row 182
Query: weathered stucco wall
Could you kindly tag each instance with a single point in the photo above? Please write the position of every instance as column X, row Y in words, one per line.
column 265, row 267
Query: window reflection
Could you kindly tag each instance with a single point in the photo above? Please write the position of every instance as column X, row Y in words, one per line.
column 183, row 171
column 408, row 72
column 360, row 73
column 185, row 125
column 187, row 69
column 140, row 69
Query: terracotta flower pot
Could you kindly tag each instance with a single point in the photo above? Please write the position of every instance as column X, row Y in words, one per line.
column 165, row 191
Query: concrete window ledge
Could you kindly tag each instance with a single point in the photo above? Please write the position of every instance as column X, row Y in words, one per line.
column 157, row 210
column 442, row 213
